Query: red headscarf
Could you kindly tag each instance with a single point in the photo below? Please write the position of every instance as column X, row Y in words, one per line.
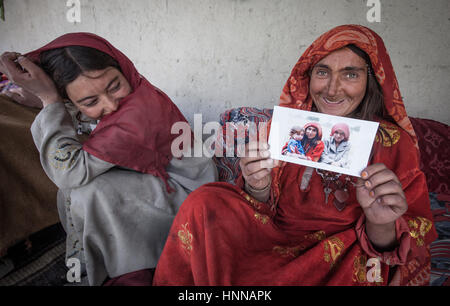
column 138, row 135
column 341, row 127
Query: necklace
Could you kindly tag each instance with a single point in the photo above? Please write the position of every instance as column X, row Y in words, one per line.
column 338, row 185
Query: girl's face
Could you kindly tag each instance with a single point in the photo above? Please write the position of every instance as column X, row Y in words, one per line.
column 311, row 132
column 299, row 135
column 98, row 93
column 338, row 83
column 339, row 136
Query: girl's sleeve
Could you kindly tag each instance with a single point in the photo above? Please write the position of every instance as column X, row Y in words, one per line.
column 61, row 153
column 343, row 162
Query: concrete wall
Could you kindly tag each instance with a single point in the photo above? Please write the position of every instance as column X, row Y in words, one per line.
column 211, row 55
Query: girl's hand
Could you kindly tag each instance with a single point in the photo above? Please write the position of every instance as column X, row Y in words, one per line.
column 29, row 76
column 380, row 194
column 256, row 166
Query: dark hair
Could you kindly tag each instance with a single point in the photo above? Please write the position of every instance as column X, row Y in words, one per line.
column 64, row 65
column 312, row 143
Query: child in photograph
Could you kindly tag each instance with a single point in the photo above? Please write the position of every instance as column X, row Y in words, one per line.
column 337, row 147
column 294, row 145
column 312, row 143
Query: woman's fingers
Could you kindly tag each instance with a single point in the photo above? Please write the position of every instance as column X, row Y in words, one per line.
column 9, row 66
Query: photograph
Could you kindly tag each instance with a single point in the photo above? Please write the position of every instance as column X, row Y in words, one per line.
column 332, row 143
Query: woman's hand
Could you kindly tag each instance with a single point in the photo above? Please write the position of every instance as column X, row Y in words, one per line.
column 29, row 76
column 256, row 166
column 380, row 194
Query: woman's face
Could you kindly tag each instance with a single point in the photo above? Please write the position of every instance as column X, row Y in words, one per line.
column 311, row 132
column 339, row 136
column 98, row 93
column 338, row 83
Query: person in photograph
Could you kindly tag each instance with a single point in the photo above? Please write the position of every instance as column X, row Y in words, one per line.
column 120, row 189
column 337, row 147
column 312, row 143
column 276, row 227
column 294, row 146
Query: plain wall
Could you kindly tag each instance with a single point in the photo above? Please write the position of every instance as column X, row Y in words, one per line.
column 212, row 55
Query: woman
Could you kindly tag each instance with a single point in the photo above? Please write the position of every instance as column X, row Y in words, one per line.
column 120, row 189
column 337, row 147
column 291, row 237
column 313, row 141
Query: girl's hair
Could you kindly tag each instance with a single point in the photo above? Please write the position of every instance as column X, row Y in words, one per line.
column 312, row 143
column 66, row 64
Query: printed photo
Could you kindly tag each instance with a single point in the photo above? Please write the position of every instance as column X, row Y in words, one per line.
column 331, row 143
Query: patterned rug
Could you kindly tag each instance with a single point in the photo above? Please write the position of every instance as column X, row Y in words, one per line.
column 37, row 261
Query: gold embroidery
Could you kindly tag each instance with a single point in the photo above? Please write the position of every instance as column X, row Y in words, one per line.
column 417, row 231
column 333, row 247
column 289, row 251
column 63, row 157
column 359, row 269
column 319, row 236
column 263, row 218
column 185, row 237
column 389, row 133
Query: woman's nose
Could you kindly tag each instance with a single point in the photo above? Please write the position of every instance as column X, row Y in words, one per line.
column 111, row 105
column 333, row 86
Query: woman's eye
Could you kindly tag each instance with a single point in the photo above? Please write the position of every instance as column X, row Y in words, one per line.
column 322, row 73
column 352, row 75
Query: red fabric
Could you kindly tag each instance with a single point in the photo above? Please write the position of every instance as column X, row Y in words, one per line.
column 138, row 278
column 434, row 153
column 315, row 153
column 138, row 135
column 223, row 236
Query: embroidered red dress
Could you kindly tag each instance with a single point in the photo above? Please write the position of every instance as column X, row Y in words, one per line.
column 223, row 236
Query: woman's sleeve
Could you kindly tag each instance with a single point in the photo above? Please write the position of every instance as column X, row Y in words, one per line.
column 61, row 154
column 317, row 152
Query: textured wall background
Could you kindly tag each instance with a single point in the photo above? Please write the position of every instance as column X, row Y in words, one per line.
column 211, row 55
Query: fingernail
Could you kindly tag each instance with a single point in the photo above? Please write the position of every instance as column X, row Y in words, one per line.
column 372, row 194
column 368, row 184
column 364, row 175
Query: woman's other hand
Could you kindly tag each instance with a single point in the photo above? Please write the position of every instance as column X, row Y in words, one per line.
column 29, row 76
column 256, row 165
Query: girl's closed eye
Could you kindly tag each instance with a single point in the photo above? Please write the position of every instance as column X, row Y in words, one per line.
column 115, row 88
column 92, row 103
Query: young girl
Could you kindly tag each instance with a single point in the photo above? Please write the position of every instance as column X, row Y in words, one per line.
column 337, row 147
column 294, row 145
column 312, row 143
column 120, row 190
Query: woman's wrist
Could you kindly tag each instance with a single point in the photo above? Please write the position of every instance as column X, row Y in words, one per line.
column 261, row 195
column 382, row 236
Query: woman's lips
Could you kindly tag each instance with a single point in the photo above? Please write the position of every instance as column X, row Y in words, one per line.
column 333, row 102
